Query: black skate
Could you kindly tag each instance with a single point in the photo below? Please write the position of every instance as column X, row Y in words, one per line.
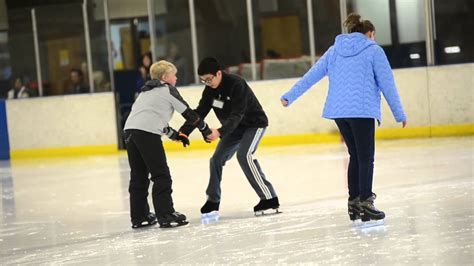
column 210, row 212
column 149, row 219
column 264, row 205
column 174, row 219
column 368, row 212
column 353, row 208
column 210, row 206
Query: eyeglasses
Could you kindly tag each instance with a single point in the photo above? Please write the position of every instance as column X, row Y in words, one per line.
column 208, row 80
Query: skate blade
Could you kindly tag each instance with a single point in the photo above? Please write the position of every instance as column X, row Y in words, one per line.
column 174, row 224
column 369, row 224
column 268, row 212
column 211, row 217
column 144, row 224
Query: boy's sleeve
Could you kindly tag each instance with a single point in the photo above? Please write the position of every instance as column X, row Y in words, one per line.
column 182, row 107
column 178, row 103
column 205, row 104
column 315, row 74
column 385, row 81
column 204, row 107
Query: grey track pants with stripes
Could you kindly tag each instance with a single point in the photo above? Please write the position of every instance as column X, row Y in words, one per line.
column 244, row 141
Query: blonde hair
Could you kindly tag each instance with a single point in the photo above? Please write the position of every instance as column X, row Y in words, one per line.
column 161, row 68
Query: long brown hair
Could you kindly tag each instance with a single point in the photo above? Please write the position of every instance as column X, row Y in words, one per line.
column 355, row 24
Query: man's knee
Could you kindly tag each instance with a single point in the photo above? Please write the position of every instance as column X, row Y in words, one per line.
column 243, row 157
column 217, row 160
column 161, row 176
column 138, row 185
column 366, row 157
column 162, row 185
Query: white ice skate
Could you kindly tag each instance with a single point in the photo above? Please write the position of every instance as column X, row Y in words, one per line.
column 210, row 217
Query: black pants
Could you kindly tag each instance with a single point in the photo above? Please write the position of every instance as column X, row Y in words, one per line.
column 359, row 134
column 147, row 156
column 244, row 142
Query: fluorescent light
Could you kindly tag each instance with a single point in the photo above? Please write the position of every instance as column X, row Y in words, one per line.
column 452, row 49
column 414, row 56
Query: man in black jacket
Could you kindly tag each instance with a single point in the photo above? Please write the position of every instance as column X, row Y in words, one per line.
column 243, row 125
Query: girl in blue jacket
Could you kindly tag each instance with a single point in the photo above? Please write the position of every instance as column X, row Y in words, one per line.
column 358, row 70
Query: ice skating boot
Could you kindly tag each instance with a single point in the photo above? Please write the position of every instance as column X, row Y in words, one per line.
column 149, row 219
column 210, row 212
column 353, row 208
column 368, row 211
column 210, row 206
column 264, row 205
column 174, row 219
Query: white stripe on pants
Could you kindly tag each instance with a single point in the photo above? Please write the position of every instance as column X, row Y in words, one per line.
column 256, row 174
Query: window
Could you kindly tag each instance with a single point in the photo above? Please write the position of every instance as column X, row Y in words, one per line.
column 173, row 37
column 454, row 42
column 327, row 24
column 399, row 27
column 99, row 52
column 5, row 67
column 20, row 45
column 281, row 38
column 62, row 49
column 222, row 32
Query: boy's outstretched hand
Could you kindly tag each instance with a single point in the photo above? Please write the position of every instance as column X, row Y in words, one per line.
column 215, row 135
column 206, row 131
column 284, row 102
column 174, row 135
column 184, row 139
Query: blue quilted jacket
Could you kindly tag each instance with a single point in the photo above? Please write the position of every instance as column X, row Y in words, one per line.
column 358, row 71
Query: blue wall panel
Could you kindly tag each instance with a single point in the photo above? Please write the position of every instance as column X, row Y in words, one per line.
column 4, row 143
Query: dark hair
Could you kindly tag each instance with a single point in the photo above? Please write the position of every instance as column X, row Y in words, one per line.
column 355, row 24
column 208, row 65
column 78, row 71
column 147, row 54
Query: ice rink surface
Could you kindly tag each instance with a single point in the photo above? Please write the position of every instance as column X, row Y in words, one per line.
column 75, row 210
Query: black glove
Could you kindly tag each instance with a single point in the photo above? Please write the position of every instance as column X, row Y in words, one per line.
column 172, row 134
column 205, row 131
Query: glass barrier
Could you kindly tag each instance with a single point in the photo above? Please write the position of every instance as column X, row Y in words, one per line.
column 173, row 37
column 282, row 45
column 454, row 42
column 222, row 32
column 281, row 38
column 327, row 24
column 399, row 26
column 5, row 67
column 62, row 49
column 18, row 75
column 99, row 52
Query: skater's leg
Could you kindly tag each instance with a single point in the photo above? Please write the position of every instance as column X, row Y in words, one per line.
column 353, row 168
column 364, row 134
column 139, row 182
column 151, row 148
column 251, row 167
column 225, row 150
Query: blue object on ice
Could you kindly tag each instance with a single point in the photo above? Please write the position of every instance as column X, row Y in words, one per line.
column 207, row 218
column 370, row 227
column 4, row 140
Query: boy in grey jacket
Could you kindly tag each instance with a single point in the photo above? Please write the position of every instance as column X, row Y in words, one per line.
column 145, row 125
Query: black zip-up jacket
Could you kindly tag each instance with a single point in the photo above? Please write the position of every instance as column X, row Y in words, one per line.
column 240, row 106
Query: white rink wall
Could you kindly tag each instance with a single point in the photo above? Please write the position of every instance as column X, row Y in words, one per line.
column 432, row 96
column 62, row 121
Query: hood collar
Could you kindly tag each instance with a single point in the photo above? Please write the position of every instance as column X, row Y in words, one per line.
column 352, row 44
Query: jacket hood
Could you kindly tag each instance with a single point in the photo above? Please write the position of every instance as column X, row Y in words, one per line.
column 352, row 44
column 151, row 84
